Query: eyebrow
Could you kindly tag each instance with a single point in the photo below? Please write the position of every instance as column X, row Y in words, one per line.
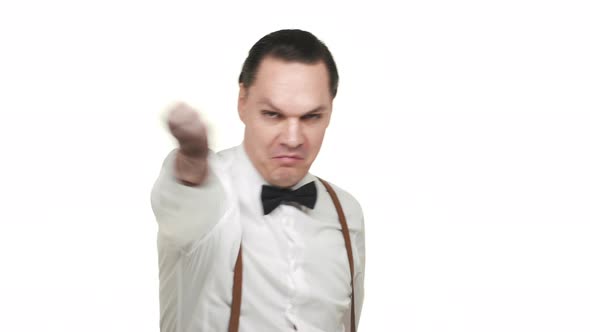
column 315, row 110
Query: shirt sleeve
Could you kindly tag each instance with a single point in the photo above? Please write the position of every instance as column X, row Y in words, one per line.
column 185, row 214
column 359, row 278
column 358, row 239
column 358, row 242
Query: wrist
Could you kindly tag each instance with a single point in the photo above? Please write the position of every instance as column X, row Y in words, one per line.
column 189, row 169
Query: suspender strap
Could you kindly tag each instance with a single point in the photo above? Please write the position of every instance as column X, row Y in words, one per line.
column 234, row 320
column 348, row 245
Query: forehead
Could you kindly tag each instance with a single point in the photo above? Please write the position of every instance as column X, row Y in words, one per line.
column 290, row 83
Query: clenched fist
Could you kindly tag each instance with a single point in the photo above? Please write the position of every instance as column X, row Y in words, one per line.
column 188, row 129
column 190, row 132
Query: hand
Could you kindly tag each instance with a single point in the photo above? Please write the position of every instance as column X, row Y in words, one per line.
column 190, row 132
column 186, row 126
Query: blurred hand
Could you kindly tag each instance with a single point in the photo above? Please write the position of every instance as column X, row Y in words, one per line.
column 186, row 126
column 190, row 132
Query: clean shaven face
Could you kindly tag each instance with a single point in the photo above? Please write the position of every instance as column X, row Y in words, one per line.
column 285, row 112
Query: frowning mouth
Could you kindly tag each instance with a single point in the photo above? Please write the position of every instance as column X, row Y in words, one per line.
column 288, row 159
column 289, row 156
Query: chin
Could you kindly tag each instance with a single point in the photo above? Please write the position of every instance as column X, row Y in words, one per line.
column 285, row 179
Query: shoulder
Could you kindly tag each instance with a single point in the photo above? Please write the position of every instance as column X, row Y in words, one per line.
column 351, row 206
column 222, row 159
column 226, row 155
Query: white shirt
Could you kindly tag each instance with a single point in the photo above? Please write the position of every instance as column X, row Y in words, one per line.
column 295, row 267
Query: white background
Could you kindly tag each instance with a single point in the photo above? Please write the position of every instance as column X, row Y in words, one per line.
column 462, row 127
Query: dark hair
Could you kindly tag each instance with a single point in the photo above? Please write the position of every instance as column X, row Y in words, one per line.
column 289, row 45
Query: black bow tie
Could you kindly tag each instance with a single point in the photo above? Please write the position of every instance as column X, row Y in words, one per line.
column 274, row 196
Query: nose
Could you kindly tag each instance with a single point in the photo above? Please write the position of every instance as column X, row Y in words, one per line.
column 293, row 135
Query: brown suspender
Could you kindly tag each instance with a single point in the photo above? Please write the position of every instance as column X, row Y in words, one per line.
column 348, row 245
column 234, row 320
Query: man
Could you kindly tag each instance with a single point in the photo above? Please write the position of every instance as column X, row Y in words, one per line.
column 219, row 212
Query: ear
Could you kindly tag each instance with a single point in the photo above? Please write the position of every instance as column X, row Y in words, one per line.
column 242, row 96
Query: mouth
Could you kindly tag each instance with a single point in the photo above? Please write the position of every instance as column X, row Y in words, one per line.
column 288, row 160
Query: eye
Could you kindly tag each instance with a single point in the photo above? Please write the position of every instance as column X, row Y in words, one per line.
column 312, row 116
column 271, row 114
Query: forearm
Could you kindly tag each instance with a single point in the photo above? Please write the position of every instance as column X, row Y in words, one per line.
column 186, row 213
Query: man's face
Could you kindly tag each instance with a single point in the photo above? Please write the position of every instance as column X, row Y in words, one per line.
column 286, row 112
